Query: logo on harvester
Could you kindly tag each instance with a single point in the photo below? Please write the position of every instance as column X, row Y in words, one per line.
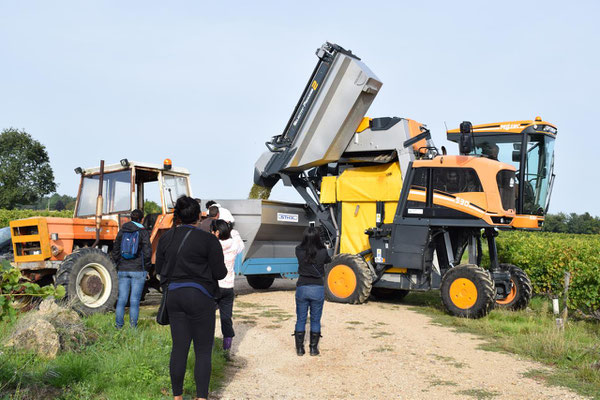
column 283, row 217
column 314, row 85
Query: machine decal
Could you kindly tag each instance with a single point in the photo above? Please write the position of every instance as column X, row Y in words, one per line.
column 284, row 217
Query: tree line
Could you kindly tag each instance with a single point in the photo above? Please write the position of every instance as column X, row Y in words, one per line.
column 572, row 223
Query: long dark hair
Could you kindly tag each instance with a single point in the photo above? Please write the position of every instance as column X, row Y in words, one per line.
column 311, row 243
column 222, row 227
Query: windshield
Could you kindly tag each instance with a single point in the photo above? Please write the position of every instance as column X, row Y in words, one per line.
column 174, row 188
column 540, row 162
column 504, row 148
column 116, row 193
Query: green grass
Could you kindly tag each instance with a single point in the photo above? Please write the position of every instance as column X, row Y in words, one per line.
column 124, row 364
column 574, row 353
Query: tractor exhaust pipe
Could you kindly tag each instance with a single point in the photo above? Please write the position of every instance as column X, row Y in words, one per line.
column 99, row 204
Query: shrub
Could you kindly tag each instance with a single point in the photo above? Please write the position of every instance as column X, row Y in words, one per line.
column 10, row 215
column 546, row 256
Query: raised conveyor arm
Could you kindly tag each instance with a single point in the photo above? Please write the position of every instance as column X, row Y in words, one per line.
column 333, row 104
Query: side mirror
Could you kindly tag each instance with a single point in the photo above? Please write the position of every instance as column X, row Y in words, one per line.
column 465, row 143
column 444, row 152
column 516, row 156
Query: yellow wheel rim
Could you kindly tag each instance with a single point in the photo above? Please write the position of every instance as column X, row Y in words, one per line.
column 463, row 293
column 511, row 296
column 341, row 281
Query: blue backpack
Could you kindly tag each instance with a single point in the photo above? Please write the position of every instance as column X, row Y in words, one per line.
column 129, row 244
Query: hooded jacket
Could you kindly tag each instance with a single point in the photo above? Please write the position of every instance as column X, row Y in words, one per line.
column 144, row 252
column 231, row 248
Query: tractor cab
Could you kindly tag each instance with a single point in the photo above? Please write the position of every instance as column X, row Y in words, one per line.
column 127, row 186
column 529, row 147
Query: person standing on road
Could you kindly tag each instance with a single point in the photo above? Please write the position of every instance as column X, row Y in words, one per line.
column 310, row 292
column 232, row 245
column 131, row 252
column 194, row 261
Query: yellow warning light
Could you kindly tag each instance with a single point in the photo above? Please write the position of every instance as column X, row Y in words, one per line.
column 167, row 163
column 538, row 118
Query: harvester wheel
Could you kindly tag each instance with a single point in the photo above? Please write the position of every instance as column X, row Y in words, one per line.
column 520, row 294
column 259, row 281
column 348, row 279
column 468, row 291
column 389, row 294
column 90, row 280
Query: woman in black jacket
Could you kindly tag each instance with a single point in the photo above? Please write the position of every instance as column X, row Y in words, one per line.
column 310, row 292
column 196, row 260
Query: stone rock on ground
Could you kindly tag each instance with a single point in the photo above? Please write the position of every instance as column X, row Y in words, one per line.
column 49, row 330
column 39, row 336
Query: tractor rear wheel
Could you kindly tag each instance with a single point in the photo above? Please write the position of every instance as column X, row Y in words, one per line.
column 90, row 280
column 260, row 282
column 520, row 294
column 389, row 294
column 348, row 279
column 468, row 291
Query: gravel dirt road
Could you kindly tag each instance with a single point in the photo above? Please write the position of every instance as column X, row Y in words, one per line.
column 370, row 351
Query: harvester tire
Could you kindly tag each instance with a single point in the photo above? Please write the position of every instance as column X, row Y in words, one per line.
column 90, row 280
column 348, row 279
column 519, row 296
column 260, row 282
column 468, row 291
column 389, row 294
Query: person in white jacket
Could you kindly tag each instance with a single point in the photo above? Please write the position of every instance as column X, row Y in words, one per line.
column 232, row 245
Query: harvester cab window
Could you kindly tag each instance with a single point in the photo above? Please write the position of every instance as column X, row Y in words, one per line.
column 174, row 187
column 456, row 180
column 503, row 148
column 539, row 165
column 116, row 193
column 418, row 193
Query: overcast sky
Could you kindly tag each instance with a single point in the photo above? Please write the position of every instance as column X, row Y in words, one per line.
column 207, row 84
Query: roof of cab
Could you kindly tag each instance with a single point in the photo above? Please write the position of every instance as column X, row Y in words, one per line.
column 119, row 167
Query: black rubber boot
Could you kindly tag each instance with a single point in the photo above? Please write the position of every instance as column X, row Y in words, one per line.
column 314, row 343
column 299, row 342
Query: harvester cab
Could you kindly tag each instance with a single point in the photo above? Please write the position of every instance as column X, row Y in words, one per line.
column 397, row 214
column 529, row 147
column 74, row 252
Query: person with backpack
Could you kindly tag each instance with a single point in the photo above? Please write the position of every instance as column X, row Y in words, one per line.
column 131, row 253
column 310, row 292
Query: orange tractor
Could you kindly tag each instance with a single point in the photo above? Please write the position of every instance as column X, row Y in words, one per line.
column 74, row 252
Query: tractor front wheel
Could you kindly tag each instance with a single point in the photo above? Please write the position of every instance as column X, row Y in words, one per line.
column 348, row 279
column 90, row 280
column 467, row 291
column 520, row 294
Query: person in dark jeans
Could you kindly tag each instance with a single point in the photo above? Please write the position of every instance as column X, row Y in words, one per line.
column 310, row 292
column 194, row 259
column 131, row 272
column 232, row 245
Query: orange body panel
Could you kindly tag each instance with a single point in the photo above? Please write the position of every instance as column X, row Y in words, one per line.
column 67, row 229
column 506, row 127
column 487, row 203
column 527, row 222
column 163, row 223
